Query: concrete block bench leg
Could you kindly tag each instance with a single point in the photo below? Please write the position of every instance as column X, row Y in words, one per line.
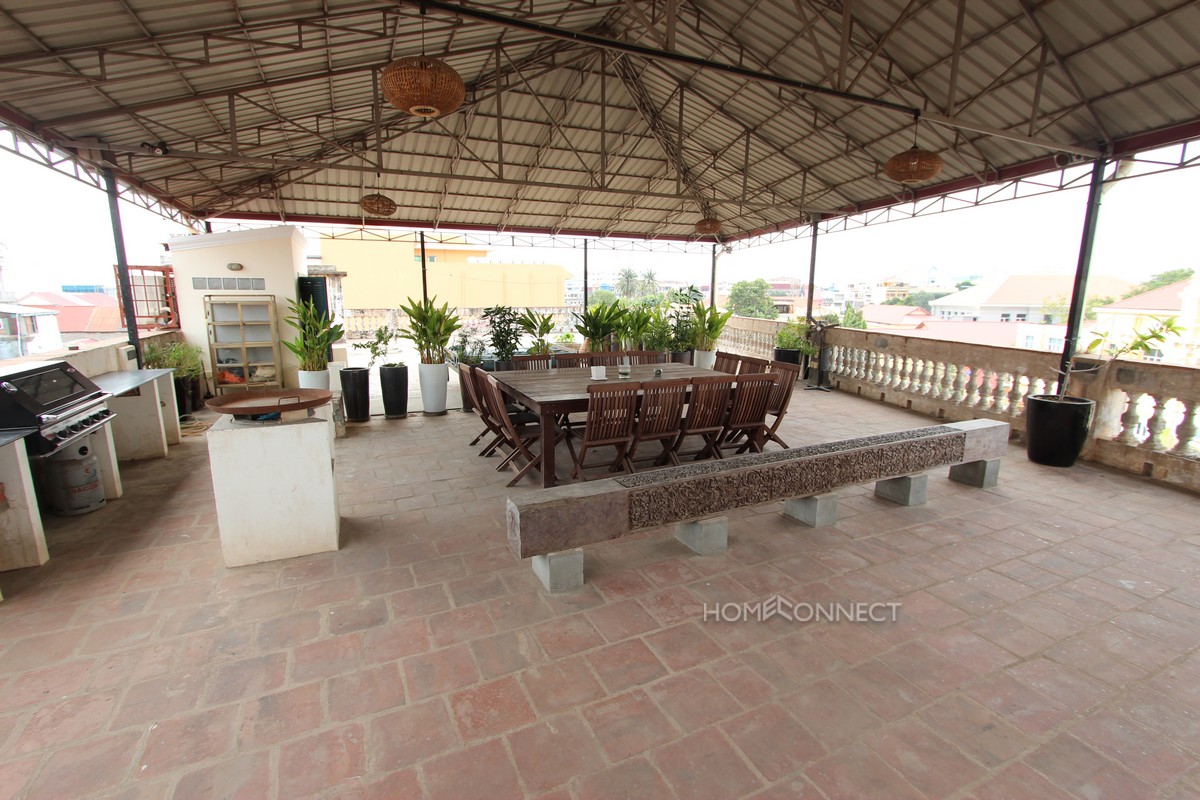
column 909, row 490
column 985, row 474
column 817, row 511
column 705, row 537
column 559, row 572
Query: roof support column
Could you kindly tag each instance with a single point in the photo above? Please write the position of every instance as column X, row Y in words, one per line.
column 424, row 279
column 712, row 286
column 114, row 213
column 1079, row 289
column 585, row 275
column 812, row 268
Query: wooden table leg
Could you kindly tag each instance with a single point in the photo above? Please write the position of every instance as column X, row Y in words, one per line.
column 548, row 436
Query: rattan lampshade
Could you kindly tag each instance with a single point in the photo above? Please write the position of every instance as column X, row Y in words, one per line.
column 422, row 86
column 708, row 226
column 913, row 166
column 377, row 205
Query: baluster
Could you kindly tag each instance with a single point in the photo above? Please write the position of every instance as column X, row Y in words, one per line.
column 1129, row 421
column 876, row 369
column 912, row 381
column 960, row 384
column 1000, row 393
column 1017, row 394
column 928, row 370
column 945, row 387
column 889, row 371
column 1186, row 432
column 975, row 387
column 903, row 373
column 1157, row 425
column 860, row 363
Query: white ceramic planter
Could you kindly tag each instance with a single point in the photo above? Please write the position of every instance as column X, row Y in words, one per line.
column 434, row 378
column 313, row 379
column 704, row 359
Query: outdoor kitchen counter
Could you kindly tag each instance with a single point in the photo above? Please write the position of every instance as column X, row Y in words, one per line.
column 22, row 539
column 147, row 419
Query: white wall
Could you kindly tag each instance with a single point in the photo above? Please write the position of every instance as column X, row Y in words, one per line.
column 277, row 255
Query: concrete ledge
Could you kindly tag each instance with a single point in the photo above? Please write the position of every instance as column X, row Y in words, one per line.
column 559, row 572
column 981, row 474
column 704, row 537
column 909, row 490
column 565, row 517
column 818, row 511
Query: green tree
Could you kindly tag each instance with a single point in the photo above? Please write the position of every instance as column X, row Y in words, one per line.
column 853, row 318
column 967, row 284
column 1057, row 307
column 649, row 283
column 1160, row 280
column 628, row 283
column 919, row 299
column 751, row 299
column 598, row 296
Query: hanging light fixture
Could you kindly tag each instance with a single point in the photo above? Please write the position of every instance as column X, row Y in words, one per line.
column 914, row 165
column 377, row 205
column 709, row 226
column 421, row 85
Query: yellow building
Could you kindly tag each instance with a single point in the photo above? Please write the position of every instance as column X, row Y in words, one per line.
column 383, row 274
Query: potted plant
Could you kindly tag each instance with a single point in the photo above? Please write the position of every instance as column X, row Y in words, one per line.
column 467, row 349
column 683, row 325
column 186, row 361
column 709, row 323
column 316, row 334
column 505, row 334
column 539, row 326
column 430, row 329
column 634, row 324
column 792, row 342
column 598, row 323
column 1057, row 425
column 659, row 335
column 393, row 376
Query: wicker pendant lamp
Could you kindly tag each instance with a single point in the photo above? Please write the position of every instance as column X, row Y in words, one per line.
column 914, row 165
column 377, row 205
column 709, row 226
column 423, row 86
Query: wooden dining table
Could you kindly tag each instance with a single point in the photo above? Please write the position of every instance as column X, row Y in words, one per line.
column 550, row 393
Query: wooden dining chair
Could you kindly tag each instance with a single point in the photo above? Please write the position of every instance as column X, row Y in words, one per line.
column 531, row 362
column 706, row 412
column 643, row 356
column 749, row 365
column 726, row 362
column 608, row 358
column 467, row 381
column 612, row 410
column 781, row 397
column 660, row 417
column 518, row 417
column 571, row 360
column 747, row 414
column 521, row 440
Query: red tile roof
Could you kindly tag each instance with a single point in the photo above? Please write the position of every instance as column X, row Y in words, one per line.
column 1164, row 298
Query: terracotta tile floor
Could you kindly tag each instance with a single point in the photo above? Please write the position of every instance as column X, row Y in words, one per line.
column 1046, row 647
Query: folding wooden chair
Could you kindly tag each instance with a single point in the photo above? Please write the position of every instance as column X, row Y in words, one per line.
column 612, row 410
column 726, row 362
column 571, row 360
column 660, row 417
column 749, row 365
column 781, row 397
column 609, row 358
column 643, row 356
column 519, row 440
column 531, row 362
column 747, row 413
column 467, row 381
column 706, row 412
column 516, row 416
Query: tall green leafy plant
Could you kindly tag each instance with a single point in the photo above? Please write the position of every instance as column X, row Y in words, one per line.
column 634, row 325
column 539, row 326
column 795, row 336
column 185, row 360
column 430, row 329
column 710, row 323
column 505, row 331
column 598, row 323
column 1143, row 342
column 316, row 333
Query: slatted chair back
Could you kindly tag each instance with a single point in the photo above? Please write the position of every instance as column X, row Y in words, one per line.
column 706, row 412
column 643, row 356
column 467, row 381
column 660, row 415
column 750, row 397
column 612, row 411
column 749, row 365
column 608, row 358
column 781, row 397
column 571, row 360
column 531, row 362
column 726, row 362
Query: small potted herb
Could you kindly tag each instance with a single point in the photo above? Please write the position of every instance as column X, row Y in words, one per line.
column 792, row 342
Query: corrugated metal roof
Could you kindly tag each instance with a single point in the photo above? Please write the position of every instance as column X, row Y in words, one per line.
column 267, row 106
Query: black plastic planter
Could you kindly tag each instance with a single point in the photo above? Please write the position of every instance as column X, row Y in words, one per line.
column 684, row 357
column 189, row 397
column 787, row 356
column 1056, row 429
column 393, row 381
column 356, row 393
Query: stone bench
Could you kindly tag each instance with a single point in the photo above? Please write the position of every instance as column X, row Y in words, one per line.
column 552, row 525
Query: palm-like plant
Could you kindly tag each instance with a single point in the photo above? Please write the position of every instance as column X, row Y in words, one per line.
column 539, row 327
column 430, row 329
column 628, row 283
column 709, row 324
column 649, row 283
column 316, row 333
column 598, row 323
column 634, row 325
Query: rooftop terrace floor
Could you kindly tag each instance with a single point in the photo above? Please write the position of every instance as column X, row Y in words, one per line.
column 1046, row 647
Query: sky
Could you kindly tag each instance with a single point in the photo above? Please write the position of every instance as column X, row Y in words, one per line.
column 56, row 230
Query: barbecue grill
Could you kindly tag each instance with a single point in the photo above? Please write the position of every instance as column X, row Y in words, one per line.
column 55, row 403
